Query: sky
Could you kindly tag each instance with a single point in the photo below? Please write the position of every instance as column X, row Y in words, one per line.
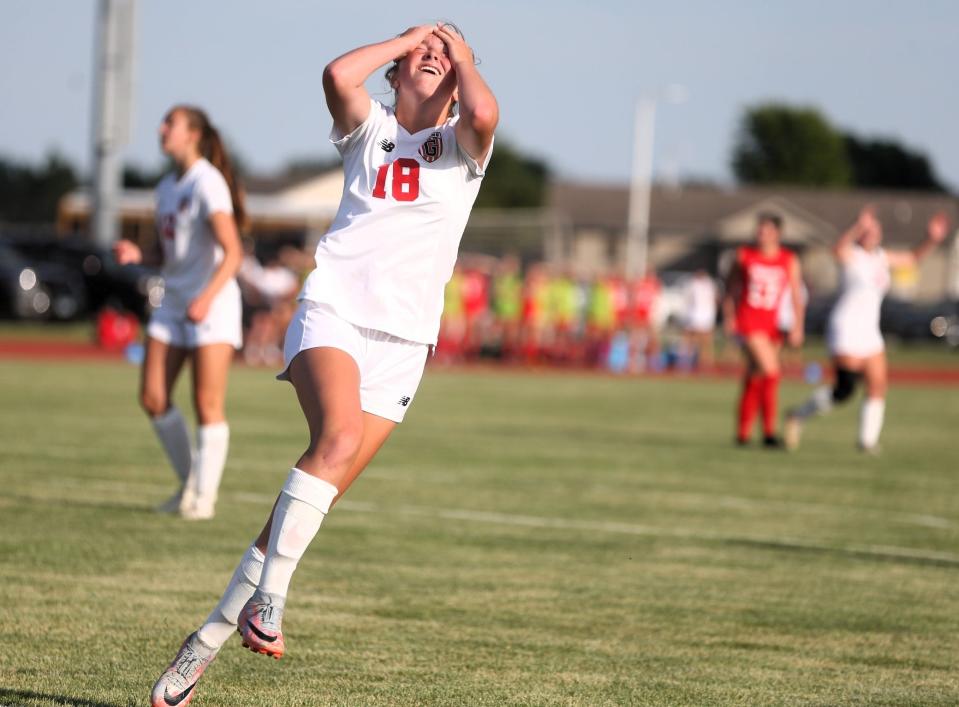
column 567, row 74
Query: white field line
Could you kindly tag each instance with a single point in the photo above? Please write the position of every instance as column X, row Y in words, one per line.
column 891, row 552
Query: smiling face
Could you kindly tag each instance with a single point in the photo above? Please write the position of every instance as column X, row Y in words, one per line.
column 426, row 72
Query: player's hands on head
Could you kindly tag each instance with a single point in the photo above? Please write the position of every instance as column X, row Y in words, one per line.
column 127, row 252
column 867, row 218
column 414, row 37
column 938, row 227
column 456, row 47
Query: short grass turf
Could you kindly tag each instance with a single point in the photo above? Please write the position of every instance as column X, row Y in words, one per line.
column 522, row 540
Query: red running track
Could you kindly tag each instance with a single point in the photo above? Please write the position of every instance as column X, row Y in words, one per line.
column 47, row 350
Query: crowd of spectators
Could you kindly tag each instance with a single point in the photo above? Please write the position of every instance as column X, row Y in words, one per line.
column 495, row 310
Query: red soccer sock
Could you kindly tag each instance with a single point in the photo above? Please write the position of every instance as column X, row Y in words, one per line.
column 748, row 405
column 770, row 395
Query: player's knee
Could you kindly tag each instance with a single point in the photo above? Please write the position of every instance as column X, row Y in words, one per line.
column 339, row 446
column 209, row 407
column 153, row 403
column 845, row 385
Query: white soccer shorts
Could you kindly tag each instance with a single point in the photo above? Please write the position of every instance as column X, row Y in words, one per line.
column 223, row 325
column 390, row 368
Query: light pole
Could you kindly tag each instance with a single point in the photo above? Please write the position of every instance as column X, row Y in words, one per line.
column 113, row 74
column 637, row 225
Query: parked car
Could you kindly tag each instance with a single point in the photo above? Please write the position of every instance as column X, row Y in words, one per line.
column 915, row 322
column 135, row 288
column 902, row 319
column 38, row 290
column 946, row 326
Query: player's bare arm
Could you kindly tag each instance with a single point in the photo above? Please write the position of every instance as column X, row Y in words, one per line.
column 733, row 287
column 797, row 333
column 223, row 228
column 936, row 231
column 864, row 223
column 343, row 78
column 478, row 110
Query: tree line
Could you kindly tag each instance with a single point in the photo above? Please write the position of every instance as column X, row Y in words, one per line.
column 782, row 144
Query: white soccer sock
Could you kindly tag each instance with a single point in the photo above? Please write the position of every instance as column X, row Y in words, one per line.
column 818, row 403
column 300, row 509
column 221, row 623
column 870, row 421
column 212, row 442
column 175, row 438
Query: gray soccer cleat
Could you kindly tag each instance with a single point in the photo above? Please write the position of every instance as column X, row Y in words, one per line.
column 259, row 624
column 175, row 686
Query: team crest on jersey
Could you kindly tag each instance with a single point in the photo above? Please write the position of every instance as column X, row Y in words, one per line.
column 432, row 149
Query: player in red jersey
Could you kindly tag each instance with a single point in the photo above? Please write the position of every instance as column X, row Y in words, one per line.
column 757, row 282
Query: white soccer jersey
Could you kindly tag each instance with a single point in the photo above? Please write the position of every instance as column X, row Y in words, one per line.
column 190, row 252
column 854, row 321
column 700, row 303
column 391, row 248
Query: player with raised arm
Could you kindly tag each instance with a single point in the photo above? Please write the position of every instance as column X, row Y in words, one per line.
column 369, row 312
column 756, row 284
column 854, row 338
column 198, row 207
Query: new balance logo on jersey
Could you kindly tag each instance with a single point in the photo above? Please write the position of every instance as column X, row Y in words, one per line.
column 405, row 400
column 387, row 145
column 432, row 149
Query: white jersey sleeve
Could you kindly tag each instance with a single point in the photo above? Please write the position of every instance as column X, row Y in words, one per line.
column 213, row 193
column 350, row 142
column 476, row 169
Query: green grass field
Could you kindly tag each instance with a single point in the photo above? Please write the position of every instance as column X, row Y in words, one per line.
column 522, row 540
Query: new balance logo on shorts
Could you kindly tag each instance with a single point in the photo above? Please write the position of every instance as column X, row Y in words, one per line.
column 405, row 400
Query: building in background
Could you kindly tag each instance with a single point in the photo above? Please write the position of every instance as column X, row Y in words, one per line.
column 701, row 226
column 583, row 227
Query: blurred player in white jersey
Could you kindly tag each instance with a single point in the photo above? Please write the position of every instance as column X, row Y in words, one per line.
column 369, row 312
column 854, row 339
column 700, row 300
column 198, row 208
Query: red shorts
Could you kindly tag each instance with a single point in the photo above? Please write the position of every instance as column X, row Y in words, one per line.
column 774, row 335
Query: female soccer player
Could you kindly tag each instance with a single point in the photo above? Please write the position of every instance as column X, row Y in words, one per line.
column 855, row 342
column 198, row 208
column 699, row 318
column 759, row 278
column 370, row 310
